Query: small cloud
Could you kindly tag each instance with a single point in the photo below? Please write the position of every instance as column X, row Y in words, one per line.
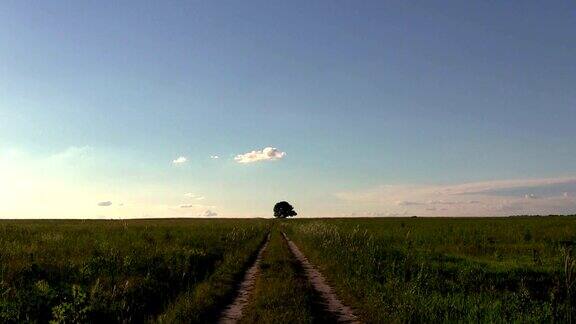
column 390, row 214
column 105, row 203
column 209, row 213
column 266, row 154
column 443, row 202
column 530, row 196
column 409, row 203
column 73, row 154
column 194, row 196
column 186, row 206
column 214, row 157
column 566, row 195
column 180, row 160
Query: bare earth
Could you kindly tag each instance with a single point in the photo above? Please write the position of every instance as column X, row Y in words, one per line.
column 233, row 312
column 341, row 312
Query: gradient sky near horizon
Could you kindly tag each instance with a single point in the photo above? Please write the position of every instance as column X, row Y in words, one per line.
column 113, row 109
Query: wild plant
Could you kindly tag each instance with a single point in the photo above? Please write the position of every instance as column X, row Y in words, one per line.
column 569, row 279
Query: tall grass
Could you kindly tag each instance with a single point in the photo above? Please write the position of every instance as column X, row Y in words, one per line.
column 445, row 270
column 111, row 271
column 569, row 279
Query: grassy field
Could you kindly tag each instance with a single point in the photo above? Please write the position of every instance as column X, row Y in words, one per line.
column 114, row 271
column 446, row 270
column 388, row 270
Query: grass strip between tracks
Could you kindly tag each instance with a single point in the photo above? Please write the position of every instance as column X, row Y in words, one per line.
column 282, row 294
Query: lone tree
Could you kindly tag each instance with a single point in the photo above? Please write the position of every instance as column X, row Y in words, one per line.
column 283, row 209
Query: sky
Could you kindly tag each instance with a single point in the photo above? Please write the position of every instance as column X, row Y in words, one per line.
column 130, row 109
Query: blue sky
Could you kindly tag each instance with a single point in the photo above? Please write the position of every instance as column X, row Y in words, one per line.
column 374, row 107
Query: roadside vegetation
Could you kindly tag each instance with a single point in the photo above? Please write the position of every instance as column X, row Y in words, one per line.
column 120, row 271
column 447, row 270
column 204, row 302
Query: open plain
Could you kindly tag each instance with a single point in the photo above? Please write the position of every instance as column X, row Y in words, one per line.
column 515, row 269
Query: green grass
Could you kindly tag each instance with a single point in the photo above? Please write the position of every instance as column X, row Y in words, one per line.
column 204, row 302
column 443, row 269
column 389, row 270
column 282, row 293
column 116, row 271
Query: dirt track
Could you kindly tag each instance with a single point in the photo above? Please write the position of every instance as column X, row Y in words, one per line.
column 337, row 310
column 341, row 312
column 233, row 312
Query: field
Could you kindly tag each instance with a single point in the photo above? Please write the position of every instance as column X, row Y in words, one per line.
column 414, row 270
column 114, row 271
column 388, row 270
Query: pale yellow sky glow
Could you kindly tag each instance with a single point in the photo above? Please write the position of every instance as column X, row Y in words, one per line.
column 71, row 184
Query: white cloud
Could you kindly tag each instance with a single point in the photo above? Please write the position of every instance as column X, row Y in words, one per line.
column 195, row 206
column 452, row 202
column 214, row 157
column 72, row 153
column 194, row 196
column 409, row 203
column 180, row 160
column 443, row 202
column 105, row 203
column 266, row 154
column 209, row 213
column 530, row 196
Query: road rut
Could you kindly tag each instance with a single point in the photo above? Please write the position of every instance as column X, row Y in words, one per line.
column 233, row 312
column 341, row 312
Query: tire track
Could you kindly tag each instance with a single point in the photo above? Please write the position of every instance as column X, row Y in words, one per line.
column 341, row 312
column 233, row 312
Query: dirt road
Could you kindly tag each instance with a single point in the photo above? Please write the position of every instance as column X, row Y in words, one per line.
column 341, row 312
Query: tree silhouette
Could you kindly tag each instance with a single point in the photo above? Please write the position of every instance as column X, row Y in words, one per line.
column 283, row 209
